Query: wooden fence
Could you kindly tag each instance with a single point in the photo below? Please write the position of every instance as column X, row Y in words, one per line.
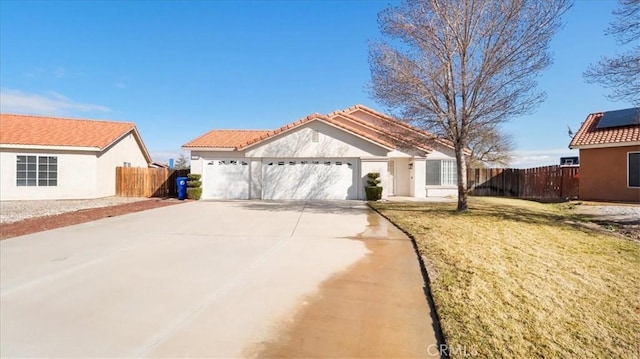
column 147, row 182
column 551, row 182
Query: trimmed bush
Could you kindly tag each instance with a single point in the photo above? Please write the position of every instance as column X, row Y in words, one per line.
column 194, row 184
column 373, row 193
column 194, row 193
column 194, row 190
column 373, row 179
column 372, row 190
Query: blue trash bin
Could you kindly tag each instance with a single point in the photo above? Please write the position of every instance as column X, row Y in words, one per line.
column 181, row 182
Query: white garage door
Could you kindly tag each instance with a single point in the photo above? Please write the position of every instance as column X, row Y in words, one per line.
column 309, row 178
column 225, row 179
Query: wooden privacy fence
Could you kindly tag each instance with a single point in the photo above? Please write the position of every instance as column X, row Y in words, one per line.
column 147, row 182
column 551, row 182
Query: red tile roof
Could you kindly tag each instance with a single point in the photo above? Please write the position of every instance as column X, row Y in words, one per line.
column 56, row 131
column 417, row 135
column 53, row 131
column 387, row 132
column 226, row 138
column 589, row 135
column 316, row 116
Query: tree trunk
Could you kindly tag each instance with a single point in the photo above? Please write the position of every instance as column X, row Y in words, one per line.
column 461, row 165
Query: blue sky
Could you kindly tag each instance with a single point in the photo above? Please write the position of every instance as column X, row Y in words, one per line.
column 178, row 69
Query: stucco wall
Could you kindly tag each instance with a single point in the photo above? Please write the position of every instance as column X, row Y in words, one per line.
column 76, row 176
column 332, row 143
column 603, row 174
column 124, row 150
column 368, row 165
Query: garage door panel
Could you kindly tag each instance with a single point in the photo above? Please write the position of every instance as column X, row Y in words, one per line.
column 225, row 179
column 309, row 179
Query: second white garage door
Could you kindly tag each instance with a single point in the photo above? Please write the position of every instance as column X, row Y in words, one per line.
column 309, row 178
column 225, row 179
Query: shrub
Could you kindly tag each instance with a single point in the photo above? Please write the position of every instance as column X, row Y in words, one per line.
column 373, row 193
column 194, row 190
column 194, row 184
column 194, row 193
column 372, row 190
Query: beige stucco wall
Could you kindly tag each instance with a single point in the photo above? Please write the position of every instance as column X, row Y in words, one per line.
column 124, row 150
column 76, row 176
column 603, row 174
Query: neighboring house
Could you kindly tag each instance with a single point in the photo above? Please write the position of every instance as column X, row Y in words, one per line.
column 609, row 144
column 61, row 158
column 324, row 157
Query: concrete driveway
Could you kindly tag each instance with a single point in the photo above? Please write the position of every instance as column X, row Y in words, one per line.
column 217, row 279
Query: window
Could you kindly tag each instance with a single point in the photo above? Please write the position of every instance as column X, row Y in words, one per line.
column 126, row 164
column 441, row 173
column 36, row 171
column 315, row 135
column 633, row 169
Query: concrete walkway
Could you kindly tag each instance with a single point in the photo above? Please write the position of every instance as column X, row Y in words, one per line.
column 217, row 279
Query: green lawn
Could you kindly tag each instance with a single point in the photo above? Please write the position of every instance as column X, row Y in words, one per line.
column 513, row 278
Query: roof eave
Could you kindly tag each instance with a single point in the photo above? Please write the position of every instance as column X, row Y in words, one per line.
column 208, row 148
column 605, row 145
column 49, row 147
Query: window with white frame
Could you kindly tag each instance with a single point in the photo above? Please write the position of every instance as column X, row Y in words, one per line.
column 633, row 169
column 37, row 171
column 441, row 173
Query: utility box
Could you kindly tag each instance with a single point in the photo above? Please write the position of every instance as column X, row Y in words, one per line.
column 181, row 183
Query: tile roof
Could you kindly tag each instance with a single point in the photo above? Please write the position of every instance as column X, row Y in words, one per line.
column 226, row 138
column 588, row 134
column 53, row 131
column 399, row 127
column 387, row 132
column 316, row 116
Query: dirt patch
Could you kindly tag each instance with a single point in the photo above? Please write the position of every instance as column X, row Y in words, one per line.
column 377, row 308
column 39, row 224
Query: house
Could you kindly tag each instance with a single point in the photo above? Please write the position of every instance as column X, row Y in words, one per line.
column 324, row 157
column 62, row 158
column 609, row 144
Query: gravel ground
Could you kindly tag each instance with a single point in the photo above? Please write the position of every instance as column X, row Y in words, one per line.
column 623, row 211
column 13, row 211
column 620, row 219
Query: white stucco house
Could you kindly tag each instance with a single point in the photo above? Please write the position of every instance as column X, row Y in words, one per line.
column 324, row 157
column 61, row 158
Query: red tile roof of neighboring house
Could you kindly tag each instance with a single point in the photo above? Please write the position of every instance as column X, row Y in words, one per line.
column 54, row 131
column 589, row 135
column 226, row 138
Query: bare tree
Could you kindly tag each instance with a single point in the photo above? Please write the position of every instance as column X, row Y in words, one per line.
column 459, row 68
column 490, row 146
column 622, row 72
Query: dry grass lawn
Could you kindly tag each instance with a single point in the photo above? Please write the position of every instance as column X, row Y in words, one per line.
column 514, row 279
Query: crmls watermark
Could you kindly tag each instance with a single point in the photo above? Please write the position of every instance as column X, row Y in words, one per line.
column 448, row 350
